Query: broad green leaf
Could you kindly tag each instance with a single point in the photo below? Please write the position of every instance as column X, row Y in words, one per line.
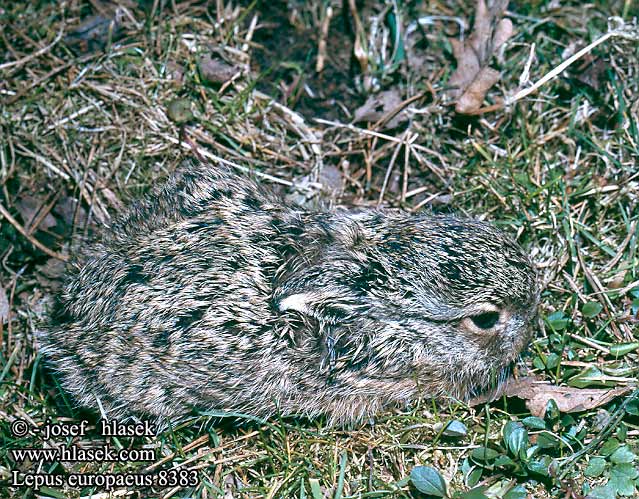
column 610, row 446
column 552, row 410
column 588, row 377
column 622, row 432
column 504, row 461
column 428, row 481
column 515, row 437
column 466, row 466
column 567, row 420
column 547, row 441
column 623, row 455
column 477, row 493
column 623, row 348
column 455, row 429
column 539, row 362
column 316, row 491
column 604, row 492
column 535, row 423
column 498, row 489
column 621, row 483
column 531, row 452
column 53, row 493
column 557, row 320
column 595, row 467
column 517, row 492
column 540, row 466
column 484, row 454
column 627, row 469
column 474, row 476
column 552, row 361
column 591, row 309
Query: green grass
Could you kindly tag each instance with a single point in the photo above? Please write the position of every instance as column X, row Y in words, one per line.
column 558, row 170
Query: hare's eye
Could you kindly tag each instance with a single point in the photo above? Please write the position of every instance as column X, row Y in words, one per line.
column 487, row 320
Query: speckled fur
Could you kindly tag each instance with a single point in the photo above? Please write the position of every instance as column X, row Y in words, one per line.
column 211, row 294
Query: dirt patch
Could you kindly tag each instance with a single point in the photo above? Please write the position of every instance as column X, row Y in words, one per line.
column 287, row 56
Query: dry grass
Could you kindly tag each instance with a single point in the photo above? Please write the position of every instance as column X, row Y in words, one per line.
column 84, row 131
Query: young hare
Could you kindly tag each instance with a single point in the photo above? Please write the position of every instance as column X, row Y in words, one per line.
column 211, row 294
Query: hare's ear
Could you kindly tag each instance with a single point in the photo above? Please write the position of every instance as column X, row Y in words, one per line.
column 329, row 304
column 300, row 302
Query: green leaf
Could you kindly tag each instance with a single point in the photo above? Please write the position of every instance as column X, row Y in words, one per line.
column 531, row 452
column 622, row 432
column 604, row 492
column 534, row 423
column 567, row 420
column 428, row 481
column 474, row 476
column 623, row 348
column 621, row 483
column 400, row 53
column 632, row 407
column 517, row 492
column 547, row 441
column 595, row 467
column 316, row 491
column 53, row 493
column 540, row 466
column 552, row 361
column 515, row 437
column 610, row 446
column 477, row 493
column 483, row 454
column 623, row 455
column 627, row 469
column 557, row 320
column 591, row 309
column 552, row 410
column 539, row 362
column 401, row 483
column 588, row 377
column 455, row 429
column 504, row 461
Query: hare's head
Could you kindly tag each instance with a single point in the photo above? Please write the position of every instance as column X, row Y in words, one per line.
column 396, row 302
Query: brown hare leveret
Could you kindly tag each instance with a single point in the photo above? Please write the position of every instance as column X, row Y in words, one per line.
column 211, row 294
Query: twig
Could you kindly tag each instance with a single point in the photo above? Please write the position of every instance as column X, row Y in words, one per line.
column 389, row 170
column 631, row 232
column 623, row 30
column 37, row 53
column 206, row 154
column 394, row 112
column 613, row 423
column 30, row 238
column 321, row 48
column 23, row 150
column 524, row 78
column 619, row 291
column 590, row 343
column 384, row 136
column 605, row 301
column 73, row 116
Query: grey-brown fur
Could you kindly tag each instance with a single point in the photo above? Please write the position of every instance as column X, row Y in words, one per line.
column 211, row 294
